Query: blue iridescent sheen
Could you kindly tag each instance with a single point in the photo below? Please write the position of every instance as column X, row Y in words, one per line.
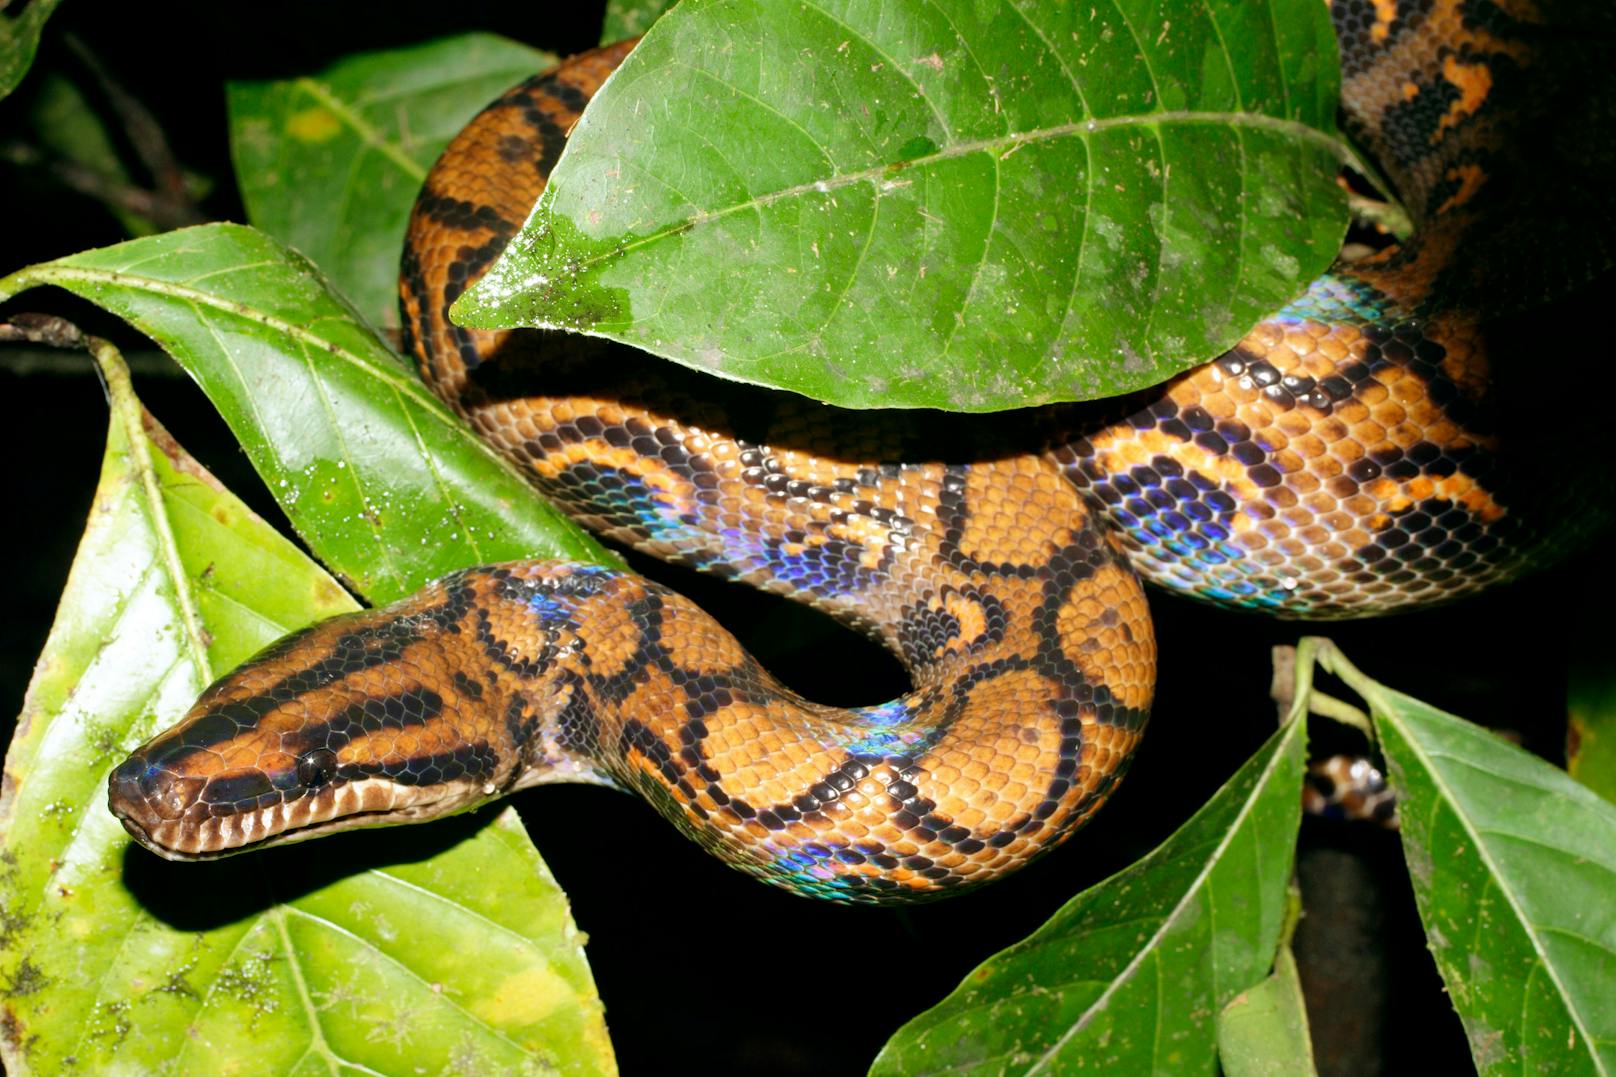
column 812, row 868
column 557, row 600
column 1185, row 522
column 878, row 732
column 629, row 493
column 1334, row 299
column 818, row 569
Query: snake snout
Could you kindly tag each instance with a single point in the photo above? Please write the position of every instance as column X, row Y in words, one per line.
column 150, row 799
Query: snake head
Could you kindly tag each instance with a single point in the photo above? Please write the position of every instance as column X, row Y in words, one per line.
column 368, row 719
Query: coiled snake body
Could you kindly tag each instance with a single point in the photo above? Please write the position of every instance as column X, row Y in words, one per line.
column 1339, row 461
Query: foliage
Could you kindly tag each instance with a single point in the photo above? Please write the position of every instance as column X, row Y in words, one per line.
column 453, row 949
column 970, row 207
column 19, row 38
column 113, row 959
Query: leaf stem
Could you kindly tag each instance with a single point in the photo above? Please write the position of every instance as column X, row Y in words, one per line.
column 1327, row 706
column 1293, row 685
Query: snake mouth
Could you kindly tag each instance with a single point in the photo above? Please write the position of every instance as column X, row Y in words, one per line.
column 211, row 831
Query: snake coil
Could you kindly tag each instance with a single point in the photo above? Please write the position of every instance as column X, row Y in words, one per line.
column 1341, row 460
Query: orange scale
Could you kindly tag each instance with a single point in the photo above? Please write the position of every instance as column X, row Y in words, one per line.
column 1287, row 461
column 1333, row 349
column 1310, row 446
column 1280, row 497
column 1406, row 436
column 1370, row 434
column 1389, row 414
column 1264, row 337
column 1295, row 423
column 1372, row 393
column 1299, row 342
column 1314, row 536
column 1351, row 412
column 1410, row 390
column 1329, row 469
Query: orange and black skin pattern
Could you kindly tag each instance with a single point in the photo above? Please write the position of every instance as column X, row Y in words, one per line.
column 1341, row 460
column 1349, row 788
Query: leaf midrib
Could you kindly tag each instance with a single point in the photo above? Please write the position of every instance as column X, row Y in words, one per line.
column 1005, row 143
column 367, row 133
column 54, row 273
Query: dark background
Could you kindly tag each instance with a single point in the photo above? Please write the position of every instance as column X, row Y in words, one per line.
column 699, row 967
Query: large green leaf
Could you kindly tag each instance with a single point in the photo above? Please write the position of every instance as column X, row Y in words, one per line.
column 19, row 40
column 965, row 204
column 386, row 486
column 456, row 953
column 330, row 163
column 1514, row 868
column 1130, row 975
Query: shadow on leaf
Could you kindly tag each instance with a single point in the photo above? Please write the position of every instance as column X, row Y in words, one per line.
column 205, row 895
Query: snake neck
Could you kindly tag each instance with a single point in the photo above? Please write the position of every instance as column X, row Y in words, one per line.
column 533, row 672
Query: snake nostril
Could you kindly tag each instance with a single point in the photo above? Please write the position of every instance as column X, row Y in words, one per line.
column 138, row 788
column 128, row 786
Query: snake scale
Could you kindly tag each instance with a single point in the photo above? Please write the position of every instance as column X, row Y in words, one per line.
column 1342, row 460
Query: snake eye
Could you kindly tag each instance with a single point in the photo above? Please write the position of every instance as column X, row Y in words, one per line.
column 316, row 768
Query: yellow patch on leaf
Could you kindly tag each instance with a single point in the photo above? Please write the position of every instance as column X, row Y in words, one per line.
column 313, row 125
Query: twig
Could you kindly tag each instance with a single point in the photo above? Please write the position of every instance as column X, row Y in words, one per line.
column 145, row 134
column 157, row 207
column 25, row 362
column 43, row 329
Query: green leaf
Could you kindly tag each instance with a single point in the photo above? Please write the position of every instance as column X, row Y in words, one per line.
column 330, row 163
column 968, row 204
column 630, row 18
column 386, row 486
column 19, row 40
column 1263, row 1031
column 308, row 962
column 1514, row 868
column 65, row 125
column 1129, row 976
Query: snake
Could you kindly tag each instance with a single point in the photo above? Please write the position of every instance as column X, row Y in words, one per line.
column 1343, row 459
